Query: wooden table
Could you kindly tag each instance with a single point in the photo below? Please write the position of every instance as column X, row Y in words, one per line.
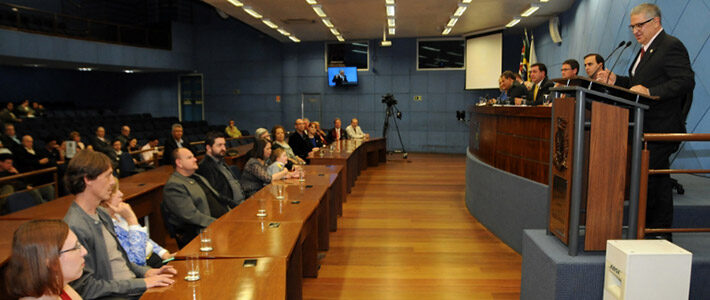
column 353, row 155
column 227, row 279
column 7, row 230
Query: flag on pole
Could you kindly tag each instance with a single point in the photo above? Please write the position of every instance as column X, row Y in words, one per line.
column 524, row 55
column 533, row 57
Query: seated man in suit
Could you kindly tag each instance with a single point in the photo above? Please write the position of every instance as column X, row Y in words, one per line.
column 189, row 201
column 99, row 142
column 593, row 63
column 540, row 84
column 10, row 139
column 217, row 173
column 124, row 137
column 511, row 90
column 298, row 141
column 354, row 131
column 107, row 271
column 28, row 159
column 175, row 141
column 337, row 133
column 569, row 68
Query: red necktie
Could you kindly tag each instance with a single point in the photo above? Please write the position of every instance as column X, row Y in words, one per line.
column 642, row 52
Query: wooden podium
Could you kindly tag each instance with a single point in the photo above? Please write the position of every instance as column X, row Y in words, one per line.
column 588, row 160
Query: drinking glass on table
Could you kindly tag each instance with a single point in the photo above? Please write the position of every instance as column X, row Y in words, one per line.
column 193, row 267
column 205, row 240
column 280, row 191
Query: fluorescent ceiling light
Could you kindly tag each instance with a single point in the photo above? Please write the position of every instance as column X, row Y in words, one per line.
column 269, row 23
column 359, row 44
column 319, row 10
column 129, row 71
column 512, row 23
column 391, row 30
column 236, row 3
column 311, row 2
column 294, row 39
column 446, row 31
column 335, row 31
column 284, row 32
column 389, row 1
column 252, row 12
column 465, row 1
column 452, row 22
column 84, row 69
column 390, row 10
column 531, row 10
column 327, row 23
column 544, row 1
column 431, row 49
column 459, row 11
column 390, row 22
column 359, row 51
column 340, row 38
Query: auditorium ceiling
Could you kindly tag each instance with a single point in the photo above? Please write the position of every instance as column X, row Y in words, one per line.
column 366, row 19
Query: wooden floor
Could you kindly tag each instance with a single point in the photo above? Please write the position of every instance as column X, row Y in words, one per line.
column 406, row 234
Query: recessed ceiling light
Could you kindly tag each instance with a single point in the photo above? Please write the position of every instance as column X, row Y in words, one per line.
column 459, row 11
column 452, row 22
column 389, row 1
column 269, row 23
column 334, row 31
column 252, row 12
column 284, row 32
column 294, row 39
column 446, row 31
column 327, row 23
column 129, row 71
column 311, row 2
column 531, row 10
column 390, row 22
column 236, row 3
column 390, row 10
column 391, row 30
column 84, row 69
column 340, row 38
column 512, row 23
column 319, row 10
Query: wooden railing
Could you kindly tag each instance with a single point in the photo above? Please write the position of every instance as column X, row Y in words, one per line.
column 52, row 170
column 645, row 172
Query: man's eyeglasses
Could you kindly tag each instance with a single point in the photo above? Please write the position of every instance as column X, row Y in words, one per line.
column 76, row 247
column 565, row 69
column 639, row 25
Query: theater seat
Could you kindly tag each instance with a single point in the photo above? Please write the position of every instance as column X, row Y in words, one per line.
column 20, row 201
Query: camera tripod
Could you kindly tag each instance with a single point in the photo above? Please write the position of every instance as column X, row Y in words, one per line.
column 393, row 112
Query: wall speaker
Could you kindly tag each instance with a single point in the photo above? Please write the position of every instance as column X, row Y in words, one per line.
column 554, row 25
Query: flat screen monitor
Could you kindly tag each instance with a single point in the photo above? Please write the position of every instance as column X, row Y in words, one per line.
column 342, row 76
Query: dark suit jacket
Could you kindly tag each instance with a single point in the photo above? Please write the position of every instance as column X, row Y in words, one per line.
column 331, row 135
column 27, row 161
column 665, row 70
column 170, row 146
column 101, row 146
column 543, row 90
column 516, row 91
column 210, row 171
column 9, row 143
column 300, row 145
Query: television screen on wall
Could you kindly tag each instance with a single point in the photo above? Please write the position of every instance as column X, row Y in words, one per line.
column 342, row 76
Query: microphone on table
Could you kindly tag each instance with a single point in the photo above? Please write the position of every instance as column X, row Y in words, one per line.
column 628, row 44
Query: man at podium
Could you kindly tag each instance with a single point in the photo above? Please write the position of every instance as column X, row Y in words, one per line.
column 661, row 68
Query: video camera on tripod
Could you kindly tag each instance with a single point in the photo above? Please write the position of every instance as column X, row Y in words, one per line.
column 393, row 111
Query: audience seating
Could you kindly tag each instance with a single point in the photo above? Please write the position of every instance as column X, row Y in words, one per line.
column 20, row 201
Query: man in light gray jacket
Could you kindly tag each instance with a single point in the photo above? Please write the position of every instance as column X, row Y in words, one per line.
column 107, row 272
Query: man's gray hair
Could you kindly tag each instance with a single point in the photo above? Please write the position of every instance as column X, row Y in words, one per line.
column 176, row 125
column 647, row 9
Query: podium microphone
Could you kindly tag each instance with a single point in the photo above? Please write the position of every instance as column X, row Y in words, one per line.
column 615, row 49
column 618, row 58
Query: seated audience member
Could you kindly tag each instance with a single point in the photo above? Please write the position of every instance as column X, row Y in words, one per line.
column 511, row 90
column 354, row 131
column 115, row 154
column 299, row 141
column 175, row 141
column 46, row 257
column 73, row 145
column 149, row 155
column 131, row 235
column 255, row 174
column 10, row 138
column 306, row 122
column 262, row 133
column 570, row 68
column 4, row 149
column 280, row 142
column 17, row 185
column 124, row 137
column 593, row 63
column 279, row 161
column 132, row 145
column 52, row 151
column 337, row 133
column 99, row 142
column 7, row 115
column 320, row 134
column 39, row 109
column 313, row 139
column 24, row 110
column 540, row 84
column 232, row 131
column 189, row 201
column 218, row 174
column 28, row 159
column 108, row 272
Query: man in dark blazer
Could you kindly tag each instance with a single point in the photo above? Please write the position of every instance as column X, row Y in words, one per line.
column 540, row 84
column 301, row 147
column 217, row 173
column 511, row 90
column 176, row 140
column 189, row 202
column 662, row 69
column 100, row 142
column 338, row 132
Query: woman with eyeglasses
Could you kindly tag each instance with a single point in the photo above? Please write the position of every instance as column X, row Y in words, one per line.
column 46, row 256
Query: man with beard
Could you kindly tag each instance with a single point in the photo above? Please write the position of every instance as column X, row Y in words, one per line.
column 217, row 173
